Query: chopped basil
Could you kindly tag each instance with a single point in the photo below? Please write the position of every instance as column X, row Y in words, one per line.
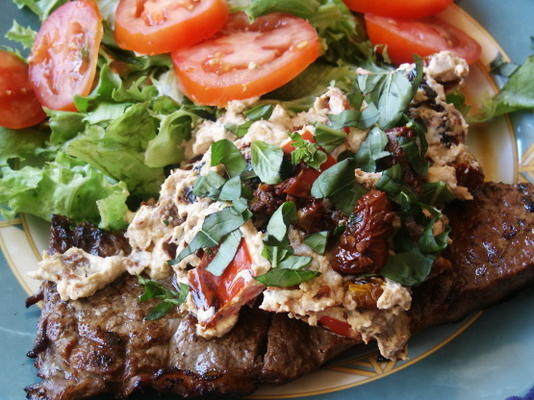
column 394, row 99
column 280, row 221
column 214, row 228
column 169, row 298
column 267, row 161
column 329, row 138
column 208, row 185
column 457, row 99
column 417, row 160
column 225, row 254
column 224, row 152
column 409, row 269
column 231, row 190
column 369, row 116
column 279, row 252
column 279, row 277
column 430, row 244
column 436, row 194
column 317, row 241
column 239, row 130
column 295, row 262
column 347, row 118
column 263, row 111
column 306, row 152
column 339, row 185
column 371, row 150
column 418, row 79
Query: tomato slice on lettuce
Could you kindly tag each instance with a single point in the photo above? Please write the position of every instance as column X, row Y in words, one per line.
column 411, row 9
column 423, row 37
column 226, row 293
column 161, row 26
column 65, row 54
column 19, row 108
column 247, row 59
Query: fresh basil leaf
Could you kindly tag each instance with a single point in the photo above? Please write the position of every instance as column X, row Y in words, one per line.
column 430, row 244
column 339, row 185
column 409, row 269
column 371, row 150
column 295, row 262
column 418, row 79
column 267, row 161
column 347, row 118
column 262, row 111
column 371, row 86
column 224, row 152
column 239, row 130
column 281, row 219
column 225, row 254
column 231, row 190
column 317, row 241
column 390, row 180
column 457, row 99
column 328, row 138
column 394, row 99
column 160, row 310
column 208, row 185
column 306, row 152
column 369, row 116
column 355, row 96
column 436, row 194
column 279, row 277
column 275, row 254
column 169, row 298
column 240, row 205
column 214, row 228
column 412, row 152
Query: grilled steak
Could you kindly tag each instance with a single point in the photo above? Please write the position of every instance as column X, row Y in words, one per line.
column 492, row 255
column 102, row 344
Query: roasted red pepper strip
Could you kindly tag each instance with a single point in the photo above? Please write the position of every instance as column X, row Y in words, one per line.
column 340, row 327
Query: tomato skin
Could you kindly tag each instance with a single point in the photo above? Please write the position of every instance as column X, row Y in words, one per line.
column 340, row 327
column 228, row 292
column 19, row 108
column 412, row 9
column 246, row 60
column 65, row 53
column 423, row 37
column 181, row 28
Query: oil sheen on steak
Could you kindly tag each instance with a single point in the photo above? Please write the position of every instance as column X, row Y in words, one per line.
column 102, row 344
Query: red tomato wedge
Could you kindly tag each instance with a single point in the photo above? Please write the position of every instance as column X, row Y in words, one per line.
column 161, row 26
column 423, row 37
column 246, row 60
column 228, row 292
column 411, row 9
column 19, row 108
column 65, row 53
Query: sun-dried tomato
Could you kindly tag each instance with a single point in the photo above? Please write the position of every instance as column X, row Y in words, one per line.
column 469, row 176
column 366, row 292
column 314, row 217
column 363, row 247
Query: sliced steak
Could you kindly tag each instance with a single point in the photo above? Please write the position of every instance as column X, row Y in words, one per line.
column 102, row 344
column 492, row 255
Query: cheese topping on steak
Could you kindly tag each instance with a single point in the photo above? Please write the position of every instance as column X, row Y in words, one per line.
column 373, row 308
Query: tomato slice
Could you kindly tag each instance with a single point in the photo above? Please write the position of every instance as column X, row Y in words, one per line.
column 412, row 9
column 246, row 60
column 19, row 108
column 225, row 293
column 65, row 53
column 423, row 37
column 161, row 26
column 300, row 185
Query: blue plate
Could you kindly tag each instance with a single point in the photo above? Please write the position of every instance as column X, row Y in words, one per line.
column 491, row 359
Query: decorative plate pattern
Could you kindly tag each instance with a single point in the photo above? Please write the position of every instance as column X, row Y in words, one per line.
column 23, row 239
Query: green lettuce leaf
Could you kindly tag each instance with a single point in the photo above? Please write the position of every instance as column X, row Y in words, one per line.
column 23, row 35
column 66, row 187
